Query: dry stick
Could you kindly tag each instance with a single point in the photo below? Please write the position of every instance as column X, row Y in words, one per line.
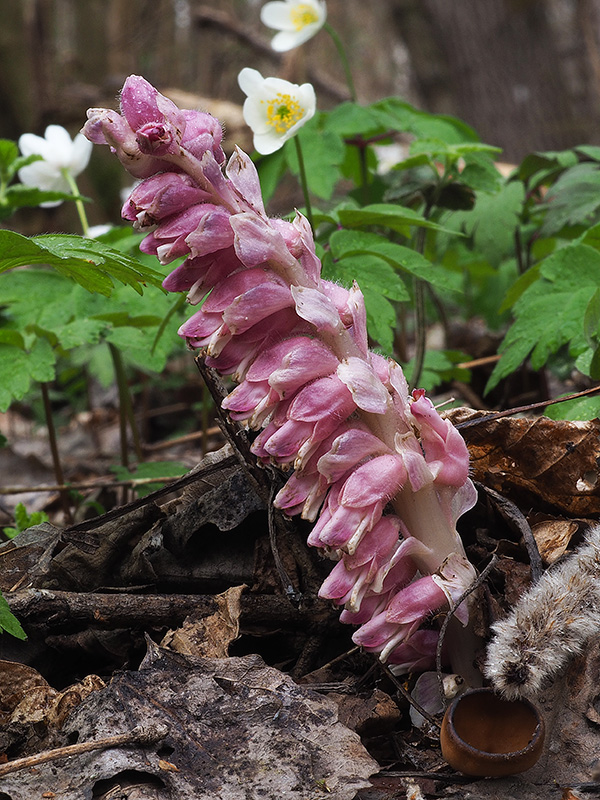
column 438, row 653
column 139, row 735
column 516, row 519
column 519, row 409
column 56, row 609
column 407, row 695
column 96, row 484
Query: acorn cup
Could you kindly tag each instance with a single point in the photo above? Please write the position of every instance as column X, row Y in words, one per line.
column 486, row 736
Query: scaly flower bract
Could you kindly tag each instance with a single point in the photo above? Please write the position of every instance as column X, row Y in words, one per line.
column 60, row 155
column 275, row 109
column 296, row 22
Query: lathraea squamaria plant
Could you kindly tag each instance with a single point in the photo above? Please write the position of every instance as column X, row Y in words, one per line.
column 381, row 474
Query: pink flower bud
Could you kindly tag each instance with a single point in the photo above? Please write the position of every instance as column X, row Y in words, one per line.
column 161, row 196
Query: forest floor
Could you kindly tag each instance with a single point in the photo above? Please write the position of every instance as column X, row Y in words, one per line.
column 176, row 646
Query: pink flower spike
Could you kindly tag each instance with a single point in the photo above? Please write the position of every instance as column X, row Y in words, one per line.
column 161, row 196
column 202, row 134
column 367, row 390
column 244, row 177
column 258, row 242
column 445, row 449
column 379, row 634
column 377, row 480
column 141, row 103
column 290, row 364
column 316, row 308
column 350, row 448
column 417, row 654
column 107, row 127
column 416, row 601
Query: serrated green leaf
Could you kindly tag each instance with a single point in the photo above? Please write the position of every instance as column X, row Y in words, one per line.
column 271, row 169
column 89, row 262
column 550, row 312
column 351, row 242
column 18, row 368
column 397, row 218
column 19, row 196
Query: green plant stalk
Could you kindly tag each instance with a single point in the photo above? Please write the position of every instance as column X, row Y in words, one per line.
column 343, row 58
column 303, row 181
column 53, row 441
column 125, row 409
column 85, row 227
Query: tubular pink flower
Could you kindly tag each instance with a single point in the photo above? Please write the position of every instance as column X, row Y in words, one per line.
column 383, row 475
column 161, row 196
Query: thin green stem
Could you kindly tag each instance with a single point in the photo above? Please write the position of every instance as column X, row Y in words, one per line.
column 125, row 409
column 78, row 202
column 420, row 332
column 53, row 441
column 343, row 58
column 303, row 181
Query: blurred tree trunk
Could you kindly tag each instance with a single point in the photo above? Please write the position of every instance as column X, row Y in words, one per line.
column 524, row 73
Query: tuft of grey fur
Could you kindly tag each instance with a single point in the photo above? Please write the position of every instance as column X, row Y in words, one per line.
column 549, row 625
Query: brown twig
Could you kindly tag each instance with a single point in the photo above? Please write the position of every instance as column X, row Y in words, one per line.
column 60, row 609
column 143, row 736
column 444, row 626
column 520, row 409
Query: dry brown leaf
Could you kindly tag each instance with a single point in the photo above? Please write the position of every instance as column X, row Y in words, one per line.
column 539, row 463
column 209, row 636
column 237, row 729
column 553, row 536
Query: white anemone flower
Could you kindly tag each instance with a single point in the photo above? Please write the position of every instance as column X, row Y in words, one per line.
column 275, row 109
column 62, row 157
column 295, row 21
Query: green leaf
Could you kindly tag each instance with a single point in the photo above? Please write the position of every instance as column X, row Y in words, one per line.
column 18, row 368
column 395, row 113
column 8, row 622
column 550, row 312
column 271, row 169
column 89, row 262
column 323, row 152
column 397, row 218
column 9, row 152
column 349, row 242
column 582, row 408
column 150, row 469
column 350, row 119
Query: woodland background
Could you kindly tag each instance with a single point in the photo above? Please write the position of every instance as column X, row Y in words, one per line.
column 524, row 73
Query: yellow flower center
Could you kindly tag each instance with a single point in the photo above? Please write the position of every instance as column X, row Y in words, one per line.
column 303, row 15
column 283, row 111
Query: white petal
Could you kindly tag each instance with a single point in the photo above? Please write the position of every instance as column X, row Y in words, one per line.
column 268, row 142
column 255, row 115
column 60, row 145
column 277, row 15
column 32, row 145
column 287, row 40
column 80, row 154
column 44, row 176
column 250, row 81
